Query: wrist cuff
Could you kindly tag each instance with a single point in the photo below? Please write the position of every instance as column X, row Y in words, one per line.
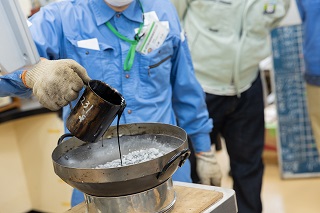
column 23, row 78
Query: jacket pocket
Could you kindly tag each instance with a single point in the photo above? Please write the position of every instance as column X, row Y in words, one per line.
column 98, row 63
column 264, row 21
column 212, row 13
column 209, row 17
column 155, row 71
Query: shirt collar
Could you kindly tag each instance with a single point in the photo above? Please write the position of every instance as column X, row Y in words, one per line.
column 104, row 13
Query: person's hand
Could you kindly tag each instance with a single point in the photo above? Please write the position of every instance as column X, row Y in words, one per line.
column 56, row 82
column 208, row 168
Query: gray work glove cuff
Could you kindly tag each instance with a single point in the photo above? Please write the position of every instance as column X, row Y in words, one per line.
column 208, row 169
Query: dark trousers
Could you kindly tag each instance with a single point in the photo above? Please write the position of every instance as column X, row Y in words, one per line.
column 240, row 121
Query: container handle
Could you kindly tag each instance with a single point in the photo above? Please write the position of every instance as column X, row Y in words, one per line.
column 63, row 137
column 164, row 174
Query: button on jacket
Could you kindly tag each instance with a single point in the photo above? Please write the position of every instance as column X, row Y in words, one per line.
column 160, row 87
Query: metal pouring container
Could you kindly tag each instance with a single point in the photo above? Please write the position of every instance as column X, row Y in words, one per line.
column 95, row 111
column 74, row 161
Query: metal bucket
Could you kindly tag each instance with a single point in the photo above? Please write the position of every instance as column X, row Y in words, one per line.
column 74, row 160
column 156, row 200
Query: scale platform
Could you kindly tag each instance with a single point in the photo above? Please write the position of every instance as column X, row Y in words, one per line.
column 194, row 198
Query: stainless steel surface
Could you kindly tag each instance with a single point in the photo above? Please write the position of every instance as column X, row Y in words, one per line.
column 74, row 160
column 225, row 205
column 157, row 200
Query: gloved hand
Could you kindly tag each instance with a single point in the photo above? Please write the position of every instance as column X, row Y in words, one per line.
column 56, row 82
column 208, row 168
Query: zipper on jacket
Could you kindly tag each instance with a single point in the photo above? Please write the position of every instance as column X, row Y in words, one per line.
column 240, row 33
column 235, row 80
column 158, row 64
column 242, row 19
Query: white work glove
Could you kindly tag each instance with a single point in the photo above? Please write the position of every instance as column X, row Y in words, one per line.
column 56, row 82
column 208, row 168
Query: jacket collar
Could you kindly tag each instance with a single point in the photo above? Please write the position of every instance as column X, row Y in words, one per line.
column 103, row 13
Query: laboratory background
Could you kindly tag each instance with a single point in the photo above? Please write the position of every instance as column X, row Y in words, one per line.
column 29, row 134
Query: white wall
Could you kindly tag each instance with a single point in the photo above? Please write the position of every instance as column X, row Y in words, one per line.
column 25, row 6
column 15, row 194
column 27, row 177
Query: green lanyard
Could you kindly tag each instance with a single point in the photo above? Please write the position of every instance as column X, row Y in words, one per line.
column 133, row 43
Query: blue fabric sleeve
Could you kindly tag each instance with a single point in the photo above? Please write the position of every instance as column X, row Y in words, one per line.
column 309, row 10
column 189, row 100
column 11, row 85
column 46, row 32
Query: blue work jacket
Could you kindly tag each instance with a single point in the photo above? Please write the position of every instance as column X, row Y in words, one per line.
column 160, row 87
column 310, row 15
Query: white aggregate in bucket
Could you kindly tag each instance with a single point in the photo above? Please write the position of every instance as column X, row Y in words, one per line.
column 135, row 157
column 139, row 156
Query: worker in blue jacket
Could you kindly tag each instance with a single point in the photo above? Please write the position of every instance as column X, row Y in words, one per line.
column 108, row 40
column 310, row 15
